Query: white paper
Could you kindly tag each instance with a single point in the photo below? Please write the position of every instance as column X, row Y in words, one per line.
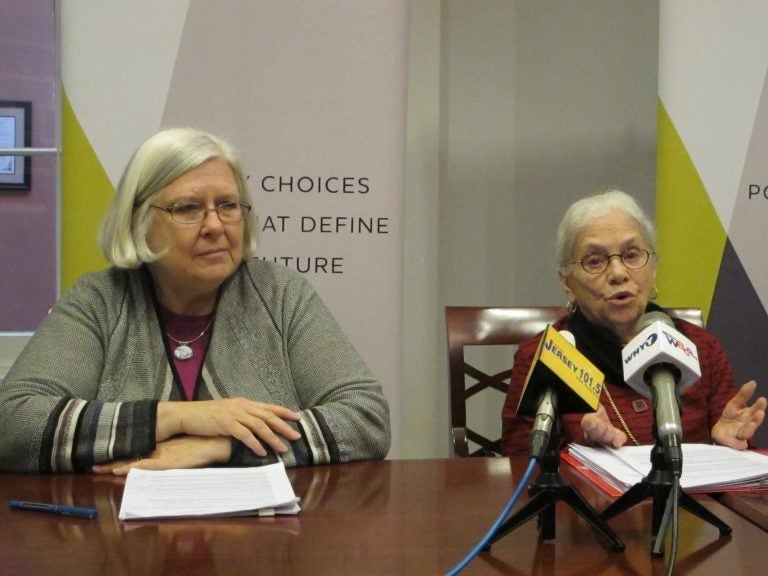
column 706, row 467
column 262, row 490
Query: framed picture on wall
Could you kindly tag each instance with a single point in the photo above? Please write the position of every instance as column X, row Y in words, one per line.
column 15, row 132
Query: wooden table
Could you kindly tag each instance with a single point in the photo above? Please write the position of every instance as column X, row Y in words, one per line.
column 416, row 517
column 752, row 505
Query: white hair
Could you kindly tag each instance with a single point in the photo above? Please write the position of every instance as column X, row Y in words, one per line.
column 583, row 211
column 160, row 160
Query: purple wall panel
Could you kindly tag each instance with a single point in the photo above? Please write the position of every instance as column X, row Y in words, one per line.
column 28, row 218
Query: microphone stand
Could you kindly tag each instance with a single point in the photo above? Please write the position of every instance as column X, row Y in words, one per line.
column 659, row 484
column 546, row 491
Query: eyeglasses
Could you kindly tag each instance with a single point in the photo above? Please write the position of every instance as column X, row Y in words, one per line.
column 195, row 213
column 632, row 258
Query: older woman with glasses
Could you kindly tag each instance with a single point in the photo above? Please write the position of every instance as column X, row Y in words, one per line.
column 187, row 352
column 607, row 260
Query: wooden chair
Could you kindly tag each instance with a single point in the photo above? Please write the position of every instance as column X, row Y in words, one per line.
column 493, row 326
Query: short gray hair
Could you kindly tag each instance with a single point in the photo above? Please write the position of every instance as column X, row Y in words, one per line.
column 160, row 160
column 583, row 211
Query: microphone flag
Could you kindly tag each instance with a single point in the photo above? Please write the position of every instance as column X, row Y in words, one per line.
column 660, row 343
column 558, row 365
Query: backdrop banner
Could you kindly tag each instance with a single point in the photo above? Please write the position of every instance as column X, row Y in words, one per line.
column 712, row 194
column 312, row 93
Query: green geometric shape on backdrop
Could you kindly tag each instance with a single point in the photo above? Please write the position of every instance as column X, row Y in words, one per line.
column 86, row 194
column 691, row 236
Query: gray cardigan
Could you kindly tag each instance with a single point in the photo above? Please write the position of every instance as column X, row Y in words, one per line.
column 85, row 388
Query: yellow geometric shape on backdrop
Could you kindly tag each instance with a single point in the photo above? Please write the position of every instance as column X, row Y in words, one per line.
column 86, row 194
column 691, row 235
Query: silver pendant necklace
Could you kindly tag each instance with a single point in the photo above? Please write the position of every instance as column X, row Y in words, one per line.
column 183, row 351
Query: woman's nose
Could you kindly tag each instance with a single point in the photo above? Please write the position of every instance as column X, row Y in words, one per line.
column 615, row 267
column 211, row 219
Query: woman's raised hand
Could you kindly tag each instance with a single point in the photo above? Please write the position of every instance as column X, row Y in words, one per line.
column 739, row 421
column 598, row 429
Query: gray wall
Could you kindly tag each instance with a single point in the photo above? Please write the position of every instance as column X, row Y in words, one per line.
column 515, row 110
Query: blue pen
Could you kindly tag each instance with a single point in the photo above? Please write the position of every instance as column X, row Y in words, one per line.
column 55, row 509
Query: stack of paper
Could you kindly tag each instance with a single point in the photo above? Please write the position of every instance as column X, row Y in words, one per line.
column 264, row 490
column 706, row 467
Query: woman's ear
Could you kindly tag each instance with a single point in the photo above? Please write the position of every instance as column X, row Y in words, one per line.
column 564, row 280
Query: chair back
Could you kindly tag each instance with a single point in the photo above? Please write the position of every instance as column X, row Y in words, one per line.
column 494, row 326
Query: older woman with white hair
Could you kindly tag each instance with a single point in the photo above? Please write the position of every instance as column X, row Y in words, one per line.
column 606, row 248
column 187, row 352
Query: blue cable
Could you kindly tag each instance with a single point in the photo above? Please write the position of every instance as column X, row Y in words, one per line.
column 512, row 501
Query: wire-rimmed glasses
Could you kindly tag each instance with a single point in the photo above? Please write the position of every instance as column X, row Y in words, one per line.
column 632, row 258
column 195, row 213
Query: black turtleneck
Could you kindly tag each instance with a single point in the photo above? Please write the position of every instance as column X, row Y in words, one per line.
column 600, row 345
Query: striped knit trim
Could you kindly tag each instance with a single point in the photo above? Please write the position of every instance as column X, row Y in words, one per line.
column 330, row 438
column 46, row 446
column 85, row 432
column 94, row 429
column 319, row 439
column 109, row 445
column 97, row 434
column 292, row 457
column 313, row 436
column 65, row 436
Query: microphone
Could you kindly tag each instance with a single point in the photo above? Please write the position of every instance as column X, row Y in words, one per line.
column 661, row 363
column 560, row 380
column 542, row 425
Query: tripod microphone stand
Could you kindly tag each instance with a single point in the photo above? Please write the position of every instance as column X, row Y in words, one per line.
column 546, row 491
column 659, row 484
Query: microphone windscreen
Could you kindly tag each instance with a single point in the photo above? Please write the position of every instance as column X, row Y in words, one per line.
column 569, row 337
column 659, row 342
column 650, row 317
